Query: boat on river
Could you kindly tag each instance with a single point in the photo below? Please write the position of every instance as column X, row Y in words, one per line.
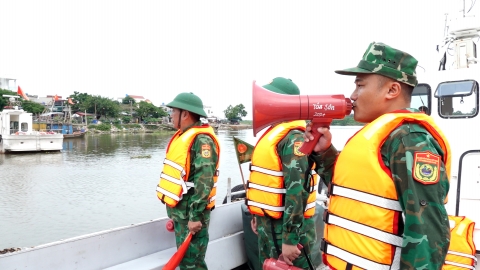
column 17, row 135
column 451, row 97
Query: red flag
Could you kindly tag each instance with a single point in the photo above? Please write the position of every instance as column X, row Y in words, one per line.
column 21, row 93
column 70, row 101
column 178, row 256
column 55, row 98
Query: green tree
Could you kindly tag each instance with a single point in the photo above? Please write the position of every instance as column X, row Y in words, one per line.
column 127, row 100
column 146, row 109
column 32, row 107
column 232, row 113
column 4, row 100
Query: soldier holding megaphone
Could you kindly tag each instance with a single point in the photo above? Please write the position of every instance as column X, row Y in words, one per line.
column 281, row 191
column 389, row 183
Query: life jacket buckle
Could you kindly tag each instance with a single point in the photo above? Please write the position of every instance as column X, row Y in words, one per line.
column 330, row 189
column 323, row 246
column 326, row 216
column 217, row 173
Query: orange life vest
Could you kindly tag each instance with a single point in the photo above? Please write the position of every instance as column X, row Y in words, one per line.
column 461, row 253
column 266, row 187
column 361, row 224
column 176, row 167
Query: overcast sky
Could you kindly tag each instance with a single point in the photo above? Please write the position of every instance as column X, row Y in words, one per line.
column 214, row 49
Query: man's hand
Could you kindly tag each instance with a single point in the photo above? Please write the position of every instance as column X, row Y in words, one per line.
column 290, row 253
column 253, row 223
column 194, row 226
column 325, row 139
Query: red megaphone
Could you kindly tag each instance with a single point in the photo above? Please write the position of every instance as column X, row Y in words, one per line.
column 270, row 108
column 280, row 264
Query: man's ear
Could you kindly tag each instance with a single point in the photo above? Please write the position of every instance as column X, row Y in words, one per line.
column 394, row 89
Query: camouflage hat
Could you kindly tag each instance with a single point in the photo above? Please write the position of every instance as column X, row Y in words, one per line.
column 384, row 60
column 282, row 86
column 189, row 102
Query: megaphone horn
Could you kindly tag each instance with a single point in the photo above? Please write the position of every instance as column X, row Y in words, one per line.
column 270, row 108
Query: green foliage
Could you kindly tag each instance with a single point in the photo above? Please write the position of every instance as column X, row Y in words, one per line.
column 4, row 100
column 347, row 121
column 102, row 127
column 128, row 100
column 152, row 120
column 146, row 109
column 32, row 107
column 126, row 119
column 95, row 104
column 232, row 113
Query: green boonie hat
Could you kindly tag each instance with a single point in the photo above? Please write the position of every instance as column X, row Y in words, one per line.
column 384, row 60
column 188, row 102
column 282, row 86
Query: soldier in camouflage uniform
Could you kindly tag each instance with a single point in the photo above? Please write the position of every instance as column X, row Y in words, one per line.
column 191, row 214
column 385, row 78
column 280, row 236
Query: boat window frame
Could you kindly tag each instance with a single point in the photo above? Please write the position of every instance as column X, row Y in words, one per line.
column 22, row 125
column 429, row 96
column 457, row 95
column 476, row 93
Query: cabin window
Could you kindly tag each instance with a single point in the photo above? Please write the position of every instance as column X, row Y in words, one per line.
column 458, row 99
column 24, row 126
column 421, row 98
column 13, row 126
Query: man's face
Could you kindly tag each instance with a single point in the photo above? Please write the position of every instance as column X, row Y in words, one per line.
column 176, row 118
column 369, row 97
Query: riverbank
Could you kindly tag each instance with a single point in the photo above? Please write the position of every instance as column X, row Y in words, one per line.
column 151, row 128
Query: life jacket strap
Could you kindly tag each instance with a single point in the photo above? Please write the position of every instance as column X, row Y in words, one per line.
column 176, row 166
column 362, row 229
column 358, row 261
column 267, row 189
column 185, row 185
column 460, row 265
column 265, row 171
column 463, row 255
column 364, row 197
column 265, row 206
column 310, row 205
column 168, row 194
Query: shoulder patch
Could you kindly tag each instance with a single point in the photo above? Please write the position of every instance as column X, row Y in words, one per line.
column 206, row 151
column 296, row 147
column 426, row 167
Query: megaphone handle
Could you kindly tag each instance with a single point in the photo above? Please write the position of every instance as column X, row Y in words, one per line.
column 280, row 258
column 307, row 147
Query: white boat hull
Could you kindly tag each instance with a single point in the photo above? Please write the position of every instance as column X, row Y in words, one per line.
column 31, row 142
column 142, row 246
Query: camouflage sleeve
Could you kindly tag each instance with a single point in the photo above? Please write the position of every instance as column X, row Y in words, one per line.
column 414, row 159
column 324, row 163
column 204, row 157
column 294, row 166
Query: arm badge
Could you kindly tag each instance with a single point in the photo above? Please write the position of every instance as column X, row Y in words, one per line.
column 426, row 167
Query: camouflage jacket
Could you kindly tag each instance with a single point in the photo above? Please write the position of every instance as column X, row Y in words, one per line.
column 294, row 167
column 193, row 204
column 426, row 233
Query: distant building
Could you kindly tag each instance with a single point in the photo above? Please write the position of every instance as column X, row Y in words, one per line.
column 8, row 84
column 166, row 109
column 139, row 98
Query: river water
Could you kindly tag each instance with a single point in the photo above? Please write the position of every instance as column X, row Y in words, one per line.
column 96, row 183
